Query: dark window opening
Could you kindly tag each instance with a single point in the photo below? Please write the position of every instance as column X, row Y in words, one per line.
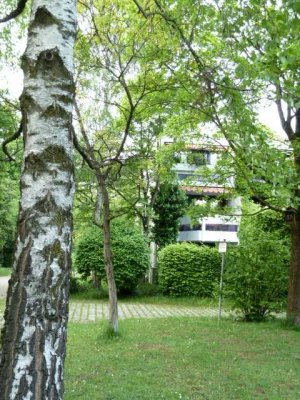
column 192, row 177
column 188, row 228
column 221, row 227
column 223, row 203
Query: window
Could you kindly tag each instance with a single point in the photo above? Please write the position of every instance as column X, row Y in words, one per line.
column 221, row 227
column 184, row 228
column 183, row 176
column 193, row 178
column 198, row 158
column 177, row 157
column 188, row 228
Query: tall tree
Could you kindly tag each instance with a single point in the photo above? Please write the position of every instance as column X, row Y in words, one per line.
column 34, row 333
column 266, row 45
column 111, row 48
column 233, row 54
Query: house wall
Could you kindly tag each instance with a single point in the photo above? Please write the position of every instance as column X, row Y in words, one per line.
column 211, row 229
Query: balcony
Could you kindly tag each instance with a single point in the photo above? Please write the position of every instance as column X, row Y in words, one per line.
column 209, row 230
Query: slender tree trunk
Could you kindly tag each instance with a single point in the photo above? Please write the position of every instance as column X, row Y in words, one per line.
column 98, row 207
column 108, row 260
column 34, row 333
column 95, row 279
column 152, row 273
column 153, row 263
column 293, row 308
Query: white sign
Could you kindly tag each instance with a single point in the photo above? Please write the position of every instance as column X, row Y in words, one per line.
column 222, row 247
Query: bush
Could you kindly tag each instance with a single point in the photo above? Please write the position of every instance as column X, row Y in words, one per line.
column 188, row 270
column 84, row 290
column 130, row 255
column 74, row 285
column 256, row 272
column 147, row 289
column 7, row 253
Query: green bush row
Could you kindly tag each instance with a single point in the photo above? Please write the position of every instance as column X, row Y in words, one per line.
column 188, row 270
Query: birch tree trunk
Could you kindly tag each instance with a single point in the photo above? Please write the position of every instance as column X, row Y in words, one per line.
column 34, row 333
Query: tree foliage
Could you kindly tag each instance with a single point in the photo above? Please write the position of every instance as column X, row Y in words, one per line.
column 169, row 206
column 9, row 186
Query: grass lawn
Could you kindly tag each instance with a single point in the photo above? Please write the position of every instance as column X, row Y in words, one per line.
column 5, row 271
column 183, row 358
column 95, row 295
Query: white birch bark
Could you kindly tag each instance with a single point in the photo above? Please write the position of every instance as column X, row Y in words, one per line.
column 34, row 334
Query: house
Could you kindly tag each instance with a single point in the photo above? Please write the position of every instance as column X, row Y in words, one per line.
column 195, row 168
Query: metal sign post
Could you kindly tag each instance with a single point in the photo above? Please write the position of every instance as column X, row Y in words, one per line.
column 222, row 250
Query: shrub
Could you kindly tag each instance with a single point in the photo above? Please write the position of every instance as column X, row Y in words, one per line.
column 130, row 255
column 188, row 270
column 74, row 284
column 7, row 253
column 147, row 289
column 256, row 272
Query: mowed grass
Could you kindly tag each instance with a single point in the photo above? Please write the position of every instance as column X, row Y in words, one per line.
column 183, row 358
column 5, row 271
column 158, row 300
column 96, row 295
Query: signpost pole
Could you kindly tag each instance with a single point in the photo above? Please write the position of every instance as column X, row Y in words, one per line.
column 221, row 286
column 222, row 250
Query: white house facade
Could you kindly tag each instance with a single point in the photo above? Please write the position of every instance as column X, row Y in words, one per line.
column 215, row 228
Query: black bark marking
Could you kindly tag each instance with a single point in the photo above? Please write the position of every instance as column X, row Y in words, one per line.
column 17, row 307
column 53, row 154
column 43, row 18
column 48, row 66
column 38, row 164
column 39, row 377
column 51, row 66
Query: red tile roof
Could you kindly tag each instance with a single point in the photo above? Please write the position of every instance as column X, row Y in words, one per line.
column 209, row 146
column 205, row 190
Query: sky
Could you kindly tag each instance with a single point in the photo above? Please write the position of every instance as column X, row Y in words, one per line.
column 268, row 115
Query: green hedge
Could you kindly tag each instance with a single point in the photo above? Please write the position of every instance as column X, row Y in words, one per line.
column 130, row 254
column 188, row 270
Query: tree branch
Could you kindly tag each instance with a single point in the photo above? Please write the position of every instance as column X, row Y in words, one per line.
column 15, row 13
column 142, row 11
column 81, row 150
column 11, row 139
column 285, row 123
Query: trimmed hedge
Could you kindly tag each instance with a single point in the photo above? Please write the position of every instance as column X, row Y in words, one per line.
column 188, row 270
column 130, row 255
